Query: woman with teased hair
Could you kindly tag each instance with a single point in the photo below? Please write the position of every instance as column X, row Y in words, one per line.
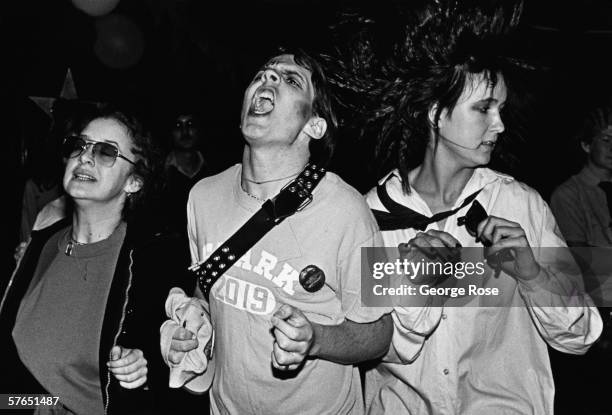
column 82, row 310
column 436, row 108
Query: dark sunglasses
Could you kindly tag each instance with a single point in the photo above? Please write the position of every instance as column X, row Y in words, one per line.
column 104, row 153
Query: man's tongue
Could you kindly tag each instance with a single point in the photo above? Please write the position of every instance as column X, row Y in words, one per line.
column 262, row 106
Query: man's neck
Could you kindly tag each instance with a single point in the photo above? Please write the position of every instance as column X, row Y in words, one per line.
column 189, row 162
column 265, row 172
column 600, row 173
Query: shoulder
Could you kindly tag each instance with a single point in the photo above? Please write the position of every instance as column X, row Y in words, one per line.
column 519, row 202
column 347, row 199
column 48, row 231
column 511, row 187
column 215, row 183
column 566, row 191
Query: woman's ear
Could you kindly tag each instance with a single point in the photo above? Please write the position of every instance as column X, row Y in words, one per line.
column 133, row 185
column 316, row 127
column 431, row 115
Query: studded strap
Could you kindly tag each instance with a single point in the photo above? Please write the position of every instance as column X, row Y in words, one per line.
column 291, row 199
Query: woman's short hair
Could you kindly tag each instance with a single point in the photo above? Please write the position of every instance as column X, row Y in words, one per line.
column 149, row 157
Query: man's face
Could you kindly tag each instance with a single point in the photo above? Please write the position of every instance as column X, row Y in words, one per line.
column 185, row 133
column 600, row 149
column 278, row 103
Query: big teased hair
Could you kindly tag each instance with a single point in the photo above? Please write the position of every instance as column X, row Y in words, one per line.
column 393, row 83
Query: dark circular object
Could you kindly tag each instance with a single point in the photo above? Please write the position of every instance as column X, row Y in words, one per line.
column 312, row 278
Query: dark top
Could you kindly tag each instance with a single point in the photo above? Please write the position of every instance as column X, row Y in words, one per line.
column 149, row 264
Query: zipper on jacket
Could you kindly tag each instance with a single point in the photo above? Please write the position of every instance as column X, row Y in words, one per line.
column 127, row 294
column 12, row 279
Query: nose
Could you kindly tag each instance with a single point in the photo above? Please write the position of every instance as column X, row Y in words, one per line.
column 497, row 125
column 87, row 155
column 271, row 76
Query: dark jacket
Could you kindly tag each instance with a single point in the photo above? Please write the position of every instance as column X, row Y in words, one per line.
column 149, row 264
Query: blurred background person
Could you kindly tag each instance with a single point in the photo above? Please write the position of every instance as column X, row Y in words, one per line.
column 582, row 206
column 185, row 165
column 583, row 203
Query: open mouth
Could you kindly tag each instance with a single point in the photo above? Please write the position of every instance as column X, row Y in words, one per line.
column 263, row 102
column 489, row 144
column 83, row 177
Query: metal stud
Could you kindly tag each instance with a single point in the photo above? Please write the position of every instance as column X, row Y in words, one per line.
column 231, row 257
column 225, row 249
column 307, row 173
column 315, row 176
column 209, row 265
column 302, row 193
column 292, row 189
column 214, row 273
column 308, row 185
column 221, row 265
column 217, row 258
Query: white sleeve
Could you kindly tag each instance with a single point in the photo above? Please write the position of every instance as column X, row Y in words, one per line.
column 562, row 311
column 411, row 327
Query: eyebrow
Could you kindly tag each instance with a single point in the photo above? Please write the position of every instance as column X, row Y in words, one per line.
column 489, row 100
column 100, row 141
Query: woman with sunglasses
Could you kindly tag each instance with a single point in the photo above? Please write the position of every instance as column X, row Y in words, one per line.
column 83, row 308
column 436, row 111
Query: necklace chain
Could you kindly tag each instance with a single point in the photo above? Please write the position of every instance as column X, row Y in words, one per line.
column 250, row 194
column 272, row 180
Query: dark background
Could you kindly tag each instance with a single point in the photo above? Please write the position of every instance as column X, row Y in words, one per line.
column 200, row 54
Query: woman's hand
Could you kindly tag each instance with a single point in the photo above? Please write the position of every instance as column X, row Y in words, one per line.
column 508, row 248
column 128, row 366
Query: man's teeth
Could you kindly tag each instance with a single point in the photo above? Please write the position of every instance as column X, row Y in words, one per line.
column 262, row 105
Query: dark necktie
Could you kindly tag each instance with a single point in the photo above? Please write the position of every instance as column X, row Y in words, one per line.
column 401, row 217
column 607, row 188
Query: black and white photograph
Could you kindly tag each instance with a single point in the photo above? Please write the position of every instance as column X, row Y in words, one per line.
column 306, row 207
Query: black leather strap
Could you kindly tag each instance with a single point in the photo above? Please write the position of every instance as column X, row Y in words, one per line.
column 292, row 198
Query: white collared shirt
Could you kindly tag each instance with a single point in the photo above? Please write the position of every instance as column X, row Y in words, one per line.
column 475, row 359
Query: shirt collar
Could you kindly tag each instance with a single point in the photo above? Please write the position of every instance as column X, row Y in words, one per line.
column 171, row 161
column 481, row 178
column 587, row 176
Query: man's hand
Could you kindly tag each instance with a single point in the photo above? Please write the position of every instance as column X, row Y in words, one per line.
column 128, row 366
column 293, row 338
column 430, row 246
column 503, row 235
column 183, row 341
